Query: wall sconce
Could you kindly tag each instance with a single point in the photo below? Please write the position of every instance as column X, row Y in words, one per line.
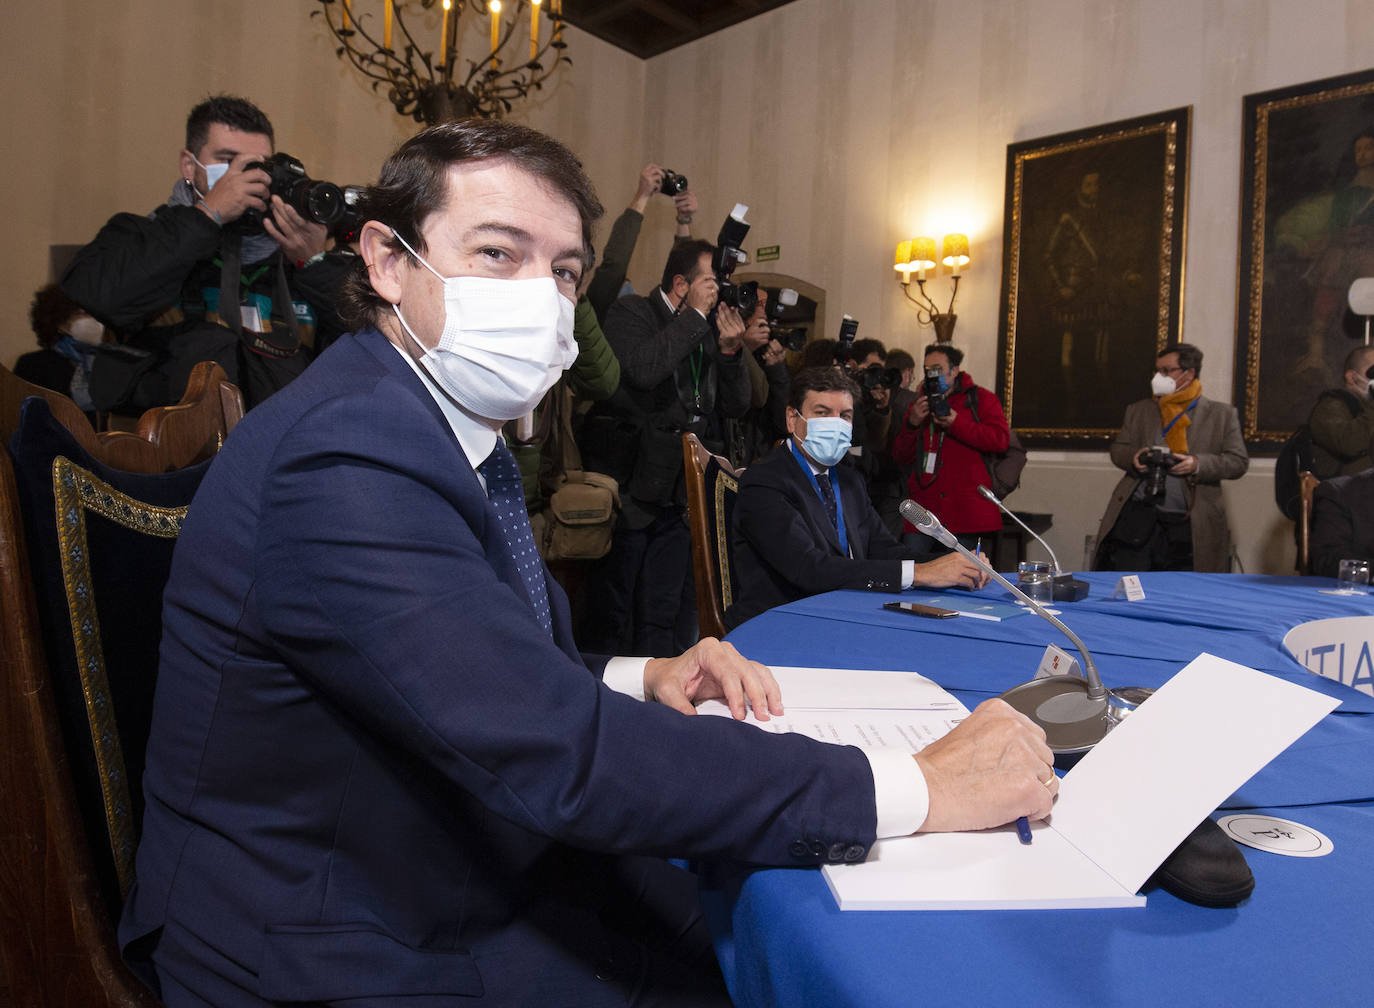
column 918, row 255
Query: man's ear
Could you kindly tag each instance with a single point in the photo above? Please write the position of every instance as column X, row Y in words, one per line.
column 384, row 263
column 186, row 164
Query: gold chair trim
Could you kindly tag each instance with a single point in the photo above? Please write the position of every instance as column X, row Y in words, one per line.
column 723, row 482
column 76, row 491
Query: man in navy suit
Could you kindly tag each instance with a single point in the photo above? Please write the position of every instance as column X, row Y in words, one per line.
column 803, row 524
column 379, row 771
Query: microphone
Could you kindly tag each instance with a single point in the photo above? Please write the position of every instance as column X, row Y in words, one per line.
column 1067, row 588
column 1074, row 713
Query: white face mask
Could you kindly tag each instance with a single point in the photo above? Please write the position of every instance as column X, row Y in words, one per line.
column 213, row 173
column 1162, row 385
column 85, row 329
column 505, row 342
column 827, row 439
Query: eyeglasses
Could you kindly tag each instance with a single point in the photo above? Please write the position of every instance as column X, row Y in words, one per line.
column 1169, row 370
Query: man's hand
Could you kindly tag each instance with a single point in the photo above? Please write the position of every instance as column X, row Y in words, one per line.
column 238, row 191
column 702, row 294
column 943, row 422
column 650, row 178
column 685, row 203
column 918, row 412
column 774, row 353
column 710, row 670
column 953, row 570
column 992, row 768
column 882, row 398
column 1185, row 466
column 756, row 333
column 729, row 328
column 300, row 239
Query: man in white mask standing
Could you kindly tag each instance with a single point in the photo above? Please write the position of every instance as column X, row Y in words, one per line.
column 803, row 524
column 379, row 769
column 1176, row 447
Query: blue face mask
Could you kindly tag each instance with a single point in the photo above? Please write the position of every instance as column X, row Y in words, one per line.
column 827, row 439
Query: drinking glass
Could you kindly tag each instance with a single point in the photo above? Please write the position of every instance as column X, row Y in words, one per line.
column 1353, row 577
column 1034, row 577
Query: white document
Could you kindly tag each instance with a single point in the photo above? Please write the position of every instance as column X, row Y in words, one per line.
column 859, row 707
column 1121, row 811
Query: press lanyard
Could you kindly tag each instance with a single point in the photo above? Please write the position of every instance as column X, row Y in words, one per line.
column 815, row 485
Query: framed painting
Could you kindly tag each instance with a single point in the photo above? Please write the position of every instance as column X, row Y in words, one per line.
column 1092, row 274
column 1306, row 232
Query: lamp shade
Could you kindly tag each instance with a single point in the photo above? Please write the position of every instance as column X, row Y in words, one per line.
column 902, row 260
column 923, row 253
column 956, row 251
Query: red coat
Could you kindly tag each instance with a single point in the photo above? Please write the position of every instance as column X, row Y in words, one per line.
column 951, row 493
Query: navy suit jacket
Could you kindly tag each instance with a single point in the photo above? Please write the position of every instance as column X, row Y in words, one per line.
column 786, row 548
column 371, row 775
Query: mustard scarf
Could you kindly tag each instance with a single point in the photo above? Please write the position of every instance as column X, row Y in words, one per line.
column 1174, row 418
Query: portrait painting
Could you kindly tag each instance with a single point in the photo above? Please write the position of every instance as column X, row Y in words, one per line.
column 1092, row 279
column 1307, row 232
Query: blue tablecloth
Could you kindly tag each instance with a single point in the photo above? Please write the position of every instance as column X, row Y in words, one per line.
column 1301, row 938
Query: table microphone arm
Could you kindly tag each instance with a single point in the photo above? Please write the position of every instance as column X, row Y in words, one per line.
column 1003, row 508
column 930, row 525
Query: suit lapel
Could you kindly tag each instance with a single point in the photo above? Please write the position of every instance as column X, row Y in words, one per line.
column 813, row 508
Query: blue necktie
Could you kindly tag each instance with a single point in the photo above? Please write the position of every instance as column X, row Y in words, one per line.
column 507, row 494
column 828, row 495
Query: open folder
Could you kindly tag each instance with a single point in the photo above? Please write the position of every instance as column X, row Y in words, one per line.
column 1121, row 811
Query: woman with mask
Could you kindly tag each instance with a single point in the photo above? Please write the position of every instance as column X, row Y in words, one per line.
column 67, row 338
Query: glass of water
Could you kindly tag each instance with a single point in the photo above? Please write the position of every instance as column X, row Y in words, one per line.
column 1353, row 577
column 1035, row 578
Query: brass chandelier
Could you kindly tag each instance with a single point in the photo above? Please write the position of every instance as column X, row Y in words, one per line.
column 426, row 84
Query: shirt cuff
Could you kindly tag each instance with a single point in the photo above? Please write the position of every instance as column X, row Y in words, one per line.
column 626, row 675
column 899, row 791
column 908, row 573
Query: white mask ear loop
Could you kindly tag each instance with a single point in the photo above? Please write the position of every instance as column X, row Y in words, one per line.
column 397, row 235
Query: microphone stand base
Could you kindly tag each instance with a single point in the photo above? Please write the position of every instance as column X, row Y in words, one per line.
column 1067, row 588
column 1073, row 721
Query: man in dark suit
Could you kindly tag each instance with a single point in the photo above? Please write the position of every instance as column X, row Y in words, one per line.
column 1342, row 521
column 794, row 536
column 379, row 771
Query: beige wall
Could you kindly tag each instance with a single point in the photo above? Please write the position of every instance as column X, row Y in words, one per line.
column 845, row 126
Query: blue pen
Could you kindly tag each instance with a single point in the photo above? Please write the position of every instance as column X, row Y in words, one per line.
column 1023, row 829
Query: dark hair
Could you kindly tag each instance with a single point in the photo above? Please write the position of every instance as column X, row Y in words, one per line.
column 820, row 379
column 954, row 357
column 865, row 347
column 900, row 359
column 1189, row 357
column 819, row 352
column 50, row 311
column 227, row 110
column 414, row 186
column 683, row 261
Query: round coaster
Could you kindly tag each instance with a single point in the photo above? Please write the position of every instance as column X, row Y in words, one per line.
column 1278, row 836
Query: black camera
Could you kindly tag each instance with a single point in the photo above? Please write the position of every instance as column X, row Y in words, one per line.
column 1157, row 462
column 672, row 183
column 792, row 338
column 844, row 345
column 936, row 395
column 350, row 222
column 729, row 254
column 321, row 202
column 875, row 376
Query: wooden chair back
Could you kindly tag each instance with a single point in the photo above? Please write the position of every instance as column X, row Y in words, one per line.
column 712, row 484
column 1307, row 484
column 58, row 945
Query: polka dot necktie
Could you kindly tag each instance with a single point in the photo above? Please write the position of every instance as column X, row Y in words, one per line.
column 828, row 495
column 507, row 493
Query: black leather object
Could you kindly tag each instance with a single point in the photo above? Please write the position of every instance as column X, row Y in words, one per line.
column 1207, row 869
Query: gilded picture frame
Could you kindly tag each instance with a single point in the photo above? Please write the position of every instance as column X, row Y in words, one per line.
column 1306, row 231
column 1094, row 248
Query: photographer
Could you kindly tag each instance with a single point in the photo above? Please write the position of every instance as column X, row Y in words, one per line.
column 609, row 277
column 1342, row 420
column 682, row 369
column 226, row 270
column 1166, row 513
column 765, row 358
column 948, row 429
column 882, row 418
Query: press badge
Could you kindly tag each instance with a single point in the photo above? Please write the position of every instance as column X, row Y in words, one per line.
column 929, row 467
